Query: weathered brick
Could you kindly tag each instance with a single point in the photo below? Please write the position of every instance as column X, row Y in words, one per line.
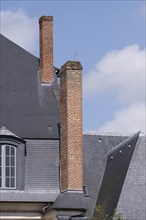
column 71, row 126
column 46, row 49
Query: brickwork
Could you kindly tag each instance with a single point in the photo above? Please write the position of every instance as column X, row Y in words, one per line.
column 46, row 49
column 71, row 126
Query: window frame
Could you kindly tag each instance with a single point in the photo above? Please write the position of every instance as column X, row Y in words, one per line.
column 4, row 166
column 20, row 146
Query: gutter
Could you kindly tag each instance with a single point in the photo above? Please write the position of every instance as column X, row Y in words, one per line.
column 19, row 217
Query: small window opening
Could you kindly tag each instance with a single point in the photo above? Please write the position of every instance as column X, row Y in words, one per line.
column 99, row 140
column 85, row 191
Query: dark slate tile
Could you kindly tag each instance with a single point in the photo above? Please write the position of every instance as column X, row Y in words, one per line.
column 132, row 201
column 117, row 165
column 28, row 109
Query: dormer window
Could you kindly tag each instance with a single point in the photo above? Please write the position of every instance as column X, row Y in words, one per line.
column 12, row 160
column 7, row 166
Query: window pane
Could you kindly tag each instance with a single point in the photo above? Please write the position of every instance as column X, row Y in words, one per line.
column 12, row 151
column 0, row 150
column 12, row 171
column 7, row 161
column 0, row 182
column 7, row 150
column 12, row 161
column 0, row 171
column 0, row 160
column 12, row 182
column 7, row 171
column 7, row 182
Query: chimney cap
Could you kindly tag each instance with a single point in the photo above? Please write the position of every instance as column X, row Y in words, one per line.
column 71, row 65
column 43, row 18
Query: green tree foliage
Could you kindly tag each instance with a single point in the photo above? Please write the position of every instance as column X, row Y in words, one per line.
column 117, row 215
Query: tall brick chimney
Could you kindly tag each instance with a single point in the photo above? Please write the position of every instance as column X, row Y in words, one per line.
column 71, row 126
column 46, row 49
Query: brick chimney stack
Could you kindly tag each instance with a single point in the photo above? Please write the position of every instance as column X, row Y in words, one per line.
column 46, row 49
column 71, row 126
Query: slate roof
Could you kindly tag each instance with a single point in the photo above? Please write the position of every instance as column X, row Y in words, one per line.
column 70, row 200
column 5, row 132
column 30, row 110
column 132, row 201
column 27, row 107
column 41, row 174
column 96, row 151
column 42, row 165
column 96, row 148
column 116, row 168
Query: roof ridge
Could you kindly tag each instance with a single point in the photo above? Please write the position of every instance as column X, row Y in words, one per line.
column 136, row 135
column 12, row 42
column 141, row 133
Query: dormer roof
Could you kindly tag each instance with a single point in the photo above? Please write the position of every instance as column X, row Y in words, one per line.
column 5, row 131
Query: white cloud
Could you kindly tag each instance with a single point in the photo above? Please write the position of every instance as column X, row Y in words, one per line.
column 121, row 72
column 130, row 119
column 20, row 28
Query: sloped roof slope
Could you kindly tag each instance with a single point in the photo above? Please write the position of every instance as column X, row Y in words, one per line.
column 117, row 165
column 27, row 107
column 42, row 165
column 132, row 201
column 96, row 150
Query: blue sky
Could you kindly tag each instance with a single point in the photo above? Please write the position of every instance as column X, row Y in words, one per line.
column 108, row 37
